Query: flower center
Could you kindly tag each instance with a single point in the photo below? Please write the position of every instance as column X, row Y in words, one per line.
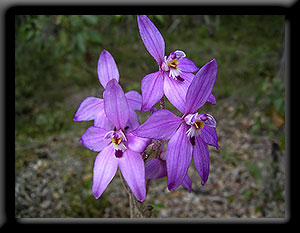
column 173, row 64
column 198, row 125
column 196, row 122
column 118, row 139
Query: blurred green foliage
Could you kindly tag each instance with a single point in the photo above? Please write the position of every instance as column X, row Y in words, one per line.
column 56, row 56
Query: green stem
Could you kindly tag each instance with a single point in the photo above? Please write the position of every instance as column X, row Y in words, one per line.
column 162, row 103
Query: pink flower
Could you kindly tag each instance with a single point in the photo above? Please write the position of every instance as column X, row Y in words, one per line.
column 175, row 71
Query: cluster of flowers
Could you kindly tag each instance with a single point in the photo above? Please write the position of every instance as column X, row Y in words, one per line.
column 122, row 141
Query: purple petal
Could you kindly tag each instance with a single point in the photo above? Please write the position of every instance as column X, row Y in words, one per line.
column 155, row 169
column 178, row 157
column 188, row 77
column 187, row 182
column 153, row 40
column 211, row 99
column 176, row 91
column 133, row 170
column 209, row 136
column 105, row 168
column 107, row 68
column 137, row 144
column 187, row 65
column 133, row 121
column 115, row 104
column 201, row 87
column 161, row 125
column 93, row 139
column 152, row 90
column 134, row 100
column 201, row 159
column 102, row 121
column 88, row 109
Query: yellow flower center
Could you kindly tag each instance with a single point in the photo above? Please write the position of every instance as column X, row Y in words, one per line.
column 199, row 125
column 116, row 141
column 173, row 64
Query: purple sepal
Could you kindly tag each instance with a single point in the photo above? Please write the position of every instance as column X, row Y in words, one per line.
column 152, row 38
column 211, row 99
column 115, row 104
column 134, row 100
column 201, row 159
column 107, row 68
column 161, row 125
column 88, row 109
column 133, row 169
column 152, row 88
column 155, row 169
column 105, row 167
column 178, row 157
column 187, row 183
column 201, row 87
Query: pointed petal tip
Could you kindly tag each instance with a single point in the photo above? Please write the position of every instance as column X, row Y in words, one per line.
column 103, row 51
column 172, row 187
column 140, row 199
column 214, row 61
column 112, row 82
column 96, row 195
column 107, row 68
column 106, row 53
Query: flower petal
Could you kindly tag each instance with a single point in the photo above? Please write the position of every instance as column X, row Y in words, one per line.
column 152, row 90
column 187, row 182
column 188, row 77
column 201, row 158
column 201, row 87
column 134, row 100
column 178, row 157
column 209, row 136
column 137, row 144
column 153, row 40
column 161, row 125
column 211, row 99
column 93, row 139
column 107, row 68
column 155, row 169
column 187, row 65
column 115, row 104
column 133, row 120
column 102, row 121
column 175, row 91
column 105, row 167
column 132, row 167
column 88, row 109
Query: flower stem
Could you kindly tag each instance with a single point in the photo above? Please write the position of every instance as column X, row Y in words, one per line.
column 137, row 209
column 162, row 103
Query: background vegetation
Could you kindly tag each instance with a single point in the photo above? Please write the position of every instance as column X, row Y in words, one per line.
column 56, row 68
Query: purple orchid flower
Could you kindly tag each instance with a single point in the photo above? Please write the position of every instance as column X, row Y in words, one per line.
column 190, row 134
column 156, row 168
column 92, row 108
column 117, row 147
column 175, row 71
